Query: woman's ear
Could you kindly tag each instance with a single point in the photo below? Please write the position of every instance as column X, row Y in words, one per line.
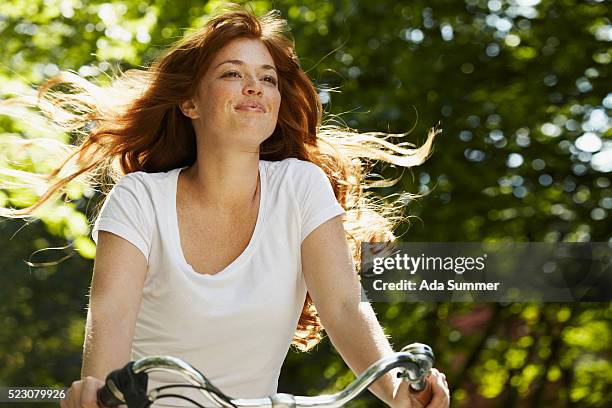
column 189, row 109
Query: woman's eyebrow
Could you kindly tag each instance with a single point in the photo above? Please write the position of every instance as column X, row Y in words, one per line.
column 239, row 62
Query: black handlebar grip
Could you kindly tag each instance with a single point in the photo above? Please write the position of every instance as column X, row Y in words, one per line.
column 123, row 386
column 107, row 398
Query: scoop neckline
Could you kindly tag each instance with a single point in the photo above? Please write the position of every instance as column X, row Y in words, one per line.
column 244, row 255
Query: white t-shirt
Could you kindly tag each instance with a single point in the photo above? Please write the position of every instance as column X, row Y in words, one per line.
column 235, row 326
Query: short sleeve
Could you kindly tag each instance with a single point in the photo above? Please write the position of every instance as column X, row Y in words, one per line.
column 314, row 195
column 128, row 212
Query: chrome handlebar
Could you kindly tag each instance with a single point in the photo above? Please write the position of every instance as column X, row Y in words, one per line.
column 128, row 385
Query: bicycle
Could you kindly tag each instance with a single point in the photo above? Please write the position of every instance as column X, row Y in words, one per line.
column 128, row 385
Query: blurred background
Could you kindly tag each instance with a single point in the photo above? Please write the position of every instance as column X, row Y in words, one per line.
column 526, row 153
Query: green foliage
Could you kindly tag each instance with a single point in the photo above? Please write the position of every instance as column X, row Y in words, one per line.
column 525, row 156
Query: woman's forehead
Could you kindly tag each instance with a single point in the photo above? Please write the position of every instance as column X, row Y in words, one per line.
column 244, row 51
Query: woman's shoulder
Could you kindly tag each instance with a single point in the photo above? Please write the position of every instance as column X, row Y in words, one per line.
column 293, row 166
column 146, row 179
column 298, row 176
column 144, row 187
column 135, row 183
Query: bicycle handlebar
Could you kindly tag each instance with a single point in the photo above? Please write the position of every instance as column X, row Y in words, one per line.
column 128, row 385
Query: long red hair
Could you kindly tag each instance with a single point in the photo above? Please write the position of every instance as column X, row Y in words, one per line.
column 135, row 124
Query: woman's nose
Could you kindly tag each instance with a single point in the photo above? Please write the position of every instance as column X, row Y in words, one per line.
column 252, row 85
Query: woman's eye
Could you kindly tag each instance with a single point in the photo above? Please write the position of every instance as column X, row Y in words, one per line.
column 268, row 78
column 271, row 79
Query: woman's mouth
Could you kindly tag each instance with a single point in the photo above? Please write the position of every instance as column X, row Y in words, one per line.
column 250, row 106
column 249, row 109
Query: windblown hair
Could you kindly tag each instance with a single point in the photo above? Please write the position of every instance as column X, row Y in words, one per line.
column 135, row 124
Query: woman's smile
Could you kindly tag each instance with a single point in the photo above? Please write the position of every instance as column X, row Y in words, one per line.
column 250, row 109
column 250, row 106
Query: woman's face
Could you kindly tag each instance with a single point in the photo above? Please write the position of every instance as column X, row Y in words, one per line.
column 238, row 98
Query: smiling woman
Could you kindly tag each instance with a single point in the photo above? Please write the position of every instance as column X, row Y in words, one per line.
column 233, row 207
column 229, row 95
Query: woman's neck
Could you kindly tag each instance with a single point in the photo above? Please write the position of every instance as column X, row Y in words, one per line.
column 224, row 182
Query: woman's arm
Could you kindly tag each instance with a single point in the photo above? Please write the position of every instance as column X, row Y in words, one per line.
column 351, row 324
column 116, row 291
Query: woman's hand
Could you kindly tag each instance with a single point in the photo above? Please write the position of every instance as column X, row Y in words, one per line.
column 441, row 394
column 83, row 394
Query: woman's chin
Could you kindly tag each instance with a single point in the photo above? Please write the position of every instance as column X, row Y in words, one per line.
column 254, row 125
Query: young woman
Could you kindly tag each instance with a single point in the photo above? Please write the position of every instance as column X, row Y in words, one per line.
column 229, row 220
